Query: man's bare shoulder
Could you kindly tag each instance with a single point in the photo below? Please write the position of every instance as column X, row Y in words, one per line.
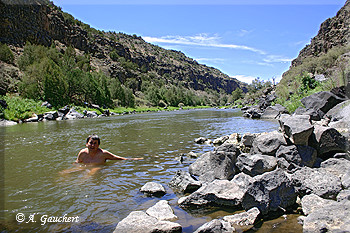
column 84, row 151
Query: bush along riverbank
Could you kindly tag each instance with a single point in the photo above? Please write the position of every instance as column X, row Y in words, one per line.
column 303, row 168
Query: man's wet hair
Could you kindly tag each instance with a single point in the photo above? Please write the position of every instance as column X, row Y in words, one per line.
column 93, row 137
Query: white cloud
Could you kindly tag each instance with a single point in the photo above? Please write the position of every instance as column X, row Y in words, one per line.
column 214, row 60
column 199, row 40
column 244, row 78
column 276, row 59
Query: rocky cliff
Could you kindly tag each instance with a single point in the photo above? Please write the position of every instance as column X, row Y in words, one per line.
column 128, row 58
column 333, row 32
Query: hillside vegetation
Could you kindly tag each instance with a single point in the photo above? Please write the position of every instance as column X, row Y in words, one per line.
column 48, row 55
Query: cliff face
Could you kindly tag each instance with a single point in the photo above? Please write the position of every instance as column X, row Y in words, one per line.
column 40, row 22
column 333, row 32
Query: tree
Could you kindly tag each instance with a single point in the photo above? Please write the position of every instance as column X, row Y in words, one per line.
column 237, row 94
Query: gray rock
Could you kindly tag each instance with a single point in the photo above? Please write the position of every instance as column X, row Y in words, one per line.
column 330, row 218
column 298, row 155
column 324, row 101
column 219, row 141
column 273, row 112
column 318, row 181
column 269, row 192
column 247, row 139
column 215, row 226
column 342, row 156
column 214, row 165
column 201, row 140
column 339, row 168
column 162, row 211
column 233, row 139
column 153, row 188
column 50, row 116
column 140, row 222
column 297, row 128
column 7, row 123
column 256, row 164
column 184, row 182
column 34, row 118
column 344, row 195
column 268, row 144
column 315, row 114
column 73, row 114
column 243, row 221
column 90, row 114
column 312, row 202
column 219, row 193
column 328, row 141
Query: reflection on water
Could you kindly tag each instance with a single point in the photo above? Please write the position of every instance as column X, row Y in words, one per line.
column 40, row 178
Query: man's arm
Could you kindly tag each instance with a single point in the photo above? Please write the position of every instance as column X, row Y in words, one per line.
column 79, row 158
column 111, row 156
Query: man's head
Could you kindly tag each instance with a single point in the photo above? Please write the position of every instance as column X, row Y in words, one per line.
column 93, row 137
column 93, row 142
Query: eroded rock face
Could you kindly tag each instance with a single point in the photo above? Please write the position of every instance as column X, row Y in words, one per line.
column 328, row 141
column 256, row 164
column 182, row 181
column 214, row 165
column 330, row 218
column 297, row 128
column 219, row 193
column 317, row 181
column 269, row 192
column 268, row 144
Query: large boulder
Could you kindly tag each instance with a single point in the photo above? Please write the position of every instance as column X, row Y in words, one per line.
column 270, row 192
column 256, row 164
column 324, row 101
column 268, row 144
column 273, row 112
column 339, row 168
column 330, row 218
column 219, row 193
column 248, row 139
column 182, row 181
column 318, row 181
column 328, row 141
column 339, row 116
column 312, row 202
column 50, row 116
column 315, row 114
column 297, row 128
column 297, row 156
column 140, row 222
column 214, row 165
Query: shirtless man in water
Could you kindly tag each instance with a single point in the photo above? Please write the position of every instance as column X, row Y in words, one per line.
column 92, row 154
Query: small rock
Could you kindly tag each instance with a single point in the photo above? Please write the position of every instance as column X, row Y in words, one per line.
column 153, row 188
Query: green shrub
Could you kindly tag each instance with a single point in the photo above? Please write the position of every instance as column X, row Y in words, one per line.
column 21, row 108
column 6, row 54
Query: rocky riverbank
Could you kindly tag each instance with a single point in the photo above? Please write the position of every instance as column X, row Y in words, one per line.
column 303, row 168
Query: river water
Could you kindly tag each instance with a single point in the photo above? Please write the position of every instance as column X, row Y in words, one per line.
column 41, row 181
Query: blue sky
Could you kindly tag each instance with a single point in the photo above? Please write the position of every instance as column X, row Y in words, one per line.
column 243, row 38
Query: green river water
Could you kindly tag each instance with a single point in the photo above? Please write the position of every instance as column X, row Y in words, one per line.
column 39, row 179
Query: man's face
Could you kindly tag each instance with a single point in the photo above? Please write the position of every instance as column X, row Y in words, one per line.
column 92, row 144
